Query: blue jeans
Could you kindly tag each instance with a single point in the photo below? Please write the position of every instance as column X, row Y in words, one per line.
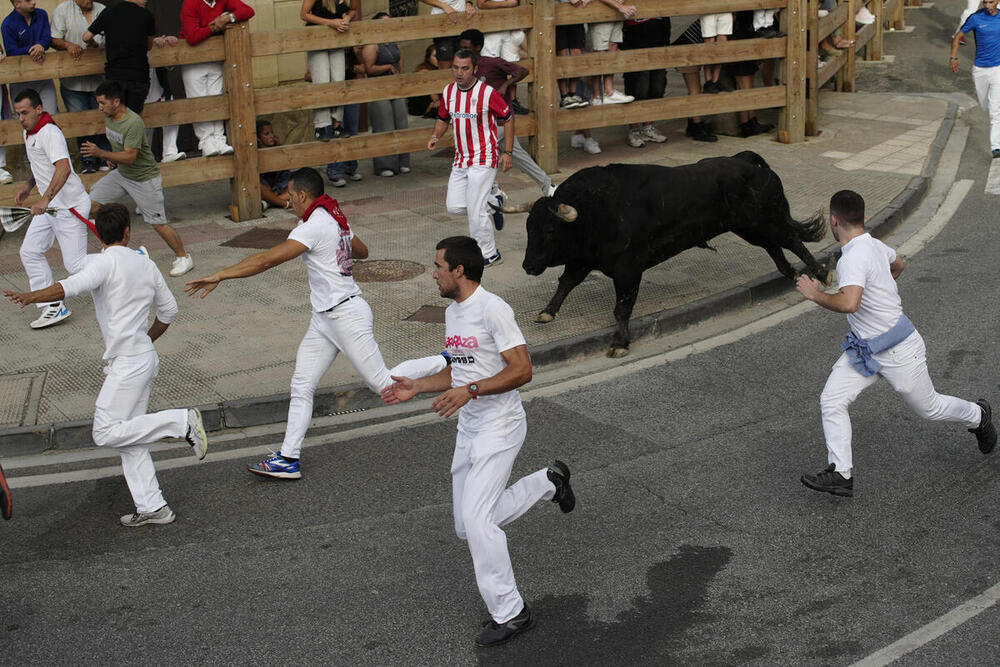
column 334, row 170
column 77, row 100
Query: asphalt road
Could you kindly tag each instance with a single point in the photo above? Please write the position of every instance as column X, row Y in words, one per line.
column 693, row 541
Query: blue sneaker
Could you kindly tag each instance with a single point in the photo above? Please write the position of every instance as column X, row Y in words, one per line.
column 277, row 466
column 493, row 260
column 498, row 210
column 51, row 314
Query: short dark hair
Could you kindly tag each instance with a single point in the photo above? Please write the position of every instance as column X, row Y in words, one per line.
column 31, row 95
column 109, row 90
column 381, row 15
column 464, row 251
column 467, row 53
column 309, row 181
column 111, row 221
column 848, row 206
column 262, row 123
column 474, row 36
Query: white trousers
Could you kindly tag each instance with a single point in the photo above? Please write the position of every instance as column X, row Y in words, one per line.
column 169, row 144
column 482, row 503
column 905, row 367
column 987, row 82
column 763, row 18
column 43, row 231
column 120, row 421
column 971, row 7
column 504, row 44
column 201, row 80
column 325, row 67
column 468, row 190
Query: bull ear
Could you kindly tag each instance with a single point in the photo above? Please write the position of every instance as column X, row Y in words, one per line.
column 513, row 208
column 564, row 212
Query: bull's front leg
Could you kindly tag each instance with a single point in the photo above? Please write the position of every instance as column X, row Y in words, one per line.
column 571, row 276
column 626, row 291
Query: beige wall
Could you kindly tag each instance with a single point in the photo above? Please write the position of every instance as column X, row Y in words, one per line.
column 284, row 15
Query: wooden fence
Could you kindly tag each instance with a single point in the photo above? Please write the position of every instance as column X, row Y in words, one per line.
column 241, row 104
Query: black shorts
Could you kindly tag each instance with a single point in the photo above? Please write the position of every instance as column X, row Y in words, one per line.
column 570, row 37
column 445, row 47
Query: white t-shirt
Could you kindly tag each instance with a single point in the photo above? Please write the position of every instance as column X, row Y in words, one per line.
column 328, row 260
column 44, row 149
column 124, row 284
column 69, row 23
column 457, row 5
column 477, row 330
column 865, row 263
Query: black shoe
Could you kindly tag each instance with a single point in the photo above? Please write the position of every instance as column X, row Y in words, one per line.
column 769, row 32
column 5, row 506
column 986, row 432
column 323, row 133
column 558, row 474
column 700, row 132
column 498, row 633
column 762, row 128
column 711, row 87
column 996, row 153
column 518, row 108
column 337, row 131
column 830, row 481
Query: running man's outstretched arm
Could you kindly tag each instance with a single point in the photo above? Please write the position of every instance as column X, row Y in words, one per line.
column 846, row 300
column 251, row 266
column 404, row 388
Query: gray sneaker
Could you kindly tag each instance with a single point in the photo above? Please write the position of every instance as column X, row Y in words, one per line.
column 196, row 436
column 161, row 516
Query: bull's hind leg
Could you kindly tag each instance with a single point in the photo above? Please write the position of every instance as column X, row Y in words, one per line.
column 571, row 276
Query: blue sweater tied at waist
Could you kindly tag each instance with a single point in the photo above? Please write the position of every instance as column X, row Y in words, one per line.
column 859, row 351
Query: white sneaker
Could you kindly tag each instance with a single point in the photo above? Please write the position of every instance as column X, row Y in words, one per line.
column 210, row 147
column 224, row 148
column 650, row 133
column 404, row 170
column 387, row 173
column 822, row 12
column 591, row 146
column 104, row 167
column 264, row 205
column 338, row 182
column 173, row 157
column 51, row 314
column 181, row 265
column 597, row 101
column 5, row 176
column 864, row 16
column 552, row 189
column 161, row 516
column 577, row 141
column 618, row 98
column 196, row 436
column 356, row 176
column 635, row 139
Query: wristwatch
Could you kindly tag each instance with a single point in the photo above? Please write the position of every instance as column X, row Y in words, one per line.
column 474, row 390
column 232, row 17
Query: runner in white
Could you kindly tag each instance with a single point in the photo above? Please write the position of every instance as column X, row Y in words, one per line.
column 124, row 285
column 61, row 191
column 474, row 109
column 341, row 319
column 882, row 341
column 489, row 361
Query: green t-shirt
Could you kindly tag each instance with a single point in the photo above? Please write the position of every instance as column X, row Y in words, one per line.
column 129, row 132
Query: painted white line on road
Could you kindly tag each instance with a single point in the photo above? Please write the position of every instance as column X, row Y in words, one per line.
column 928, row 633
column 917, row 242
column 993, row 180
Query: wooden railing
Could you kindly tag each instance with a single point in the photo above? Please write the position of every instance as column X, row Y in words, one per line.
column 242, row 103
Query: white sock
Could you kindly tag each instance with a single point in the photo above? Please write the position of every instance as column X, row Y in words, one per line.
column 845, row 474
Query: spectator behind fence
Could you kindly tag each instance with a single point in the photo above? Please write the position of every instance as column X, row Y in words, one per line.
column 648, row 84
column 337, row 173
column 505, row 44
column 273, row 184
column 159, row 91
column 570, row 41
column 26, row 32
column 606, row 37
column 386, row 115
column 328, row 65
column 716, row 28
column 445, row 47
column 425, row 105
column 5, row 176
column 69, row 21
column 199, row 21
column 697, row 128
column 743, row 72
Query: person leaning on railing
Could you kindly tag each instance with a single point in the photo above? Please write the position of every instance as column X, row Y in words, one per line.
column 5, row 176
column 386, row 115
column 328, row 65
column 26, row 32
column 445, row 47
column 200, row 21
column 425, row 105
column 273, row 184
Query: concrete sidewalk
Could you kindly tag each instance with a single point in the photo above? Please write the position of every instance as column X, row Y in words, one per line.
column 235, row 350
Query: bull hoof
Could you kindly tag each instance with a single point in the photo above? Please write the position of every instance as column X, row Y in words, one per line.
column 545, row 318
column 617, row 352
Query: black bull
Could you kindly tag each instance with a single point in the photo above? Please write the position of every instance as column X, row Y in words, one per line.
column 622, row 219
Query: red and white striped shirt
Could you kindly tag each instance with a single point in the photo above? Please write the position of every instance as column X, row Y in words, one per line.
column 473, row 115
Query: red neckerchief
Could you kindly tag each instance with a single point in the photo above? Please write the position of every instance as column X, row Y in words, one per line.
column 332, row 207
column 43, row 120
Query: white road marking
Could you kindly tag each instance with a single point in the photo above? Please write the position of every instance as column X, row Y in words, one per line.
column 928, row 633
column 993, row 180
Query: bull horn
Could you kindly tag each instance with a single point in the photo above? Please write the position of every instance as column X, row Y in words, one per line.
column 565, row 212
column 513, row 208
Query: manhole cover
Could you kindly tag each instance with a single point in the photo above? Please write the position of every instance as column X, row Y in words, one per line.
column 260, row 238
column 386, row 270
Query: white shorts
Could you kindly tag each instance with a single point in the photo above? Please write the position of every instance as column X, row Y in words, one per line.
column 713, row 25
column 147, row 195
column 602, row 34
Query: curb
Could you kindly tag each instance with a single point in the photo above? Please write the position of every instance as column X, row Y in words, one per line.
column 26, row 440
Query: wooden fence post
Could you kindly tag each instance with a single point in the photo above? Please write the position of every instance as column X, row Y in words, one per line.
column 846, row 74
column 873, row 50
column 812, row 68
column 792, row 119
column 544, row 91
column 242, row 132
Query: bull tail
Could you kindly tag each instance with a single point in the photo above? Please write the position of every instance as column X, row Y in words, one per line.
column 752, row 158
column 810, row 230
